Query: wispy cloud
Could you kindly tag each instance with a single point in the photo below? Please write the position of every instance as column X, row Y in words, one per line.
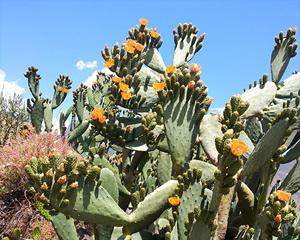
column 9, row 87
column 89, row 64
column 93, row 77
column 217, row 110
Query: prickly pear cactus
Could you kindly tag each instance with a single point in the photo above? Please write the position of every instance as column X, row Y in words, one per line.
column 155, row 164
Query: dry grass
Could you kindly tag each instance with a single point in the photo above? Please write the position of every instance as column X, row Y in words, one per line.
column 19, row 152
column 18, row 211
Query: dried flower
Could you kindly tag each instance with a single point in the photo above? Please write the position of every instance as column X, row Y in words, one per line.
column 159, row 86
column 109, row 62
column 174, row 201
column 170, row 69
column 283, row 196
column 126, row 95
column 238, row 148
column 144, row 21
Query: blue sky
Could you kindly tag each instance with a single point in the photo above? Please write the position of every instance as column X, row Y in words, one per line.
column 54, row 35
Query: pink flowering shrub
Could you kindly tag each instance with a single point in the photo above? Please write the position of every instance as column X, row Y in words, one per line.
column 18, row 152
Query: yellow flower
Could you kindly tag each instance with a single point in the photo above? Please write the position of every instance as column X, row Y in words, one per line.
column 154, row 34
column 126, row 95
column 60, row 88
column 195, row 68
column 171, row 69
column 139, row 47
column 123, row 87
column 174, row 201
column 159, row 86
column 238, row 148
column 144, row 21
column 283, row 196
column 116, row 79
column 109, row 62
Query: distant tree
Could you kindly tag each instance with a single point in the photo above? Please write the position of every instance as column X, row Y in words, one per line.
column 12, row 115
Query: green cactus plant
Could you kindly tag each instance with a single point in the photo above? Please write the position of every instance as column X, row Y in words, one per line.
column 156, row 164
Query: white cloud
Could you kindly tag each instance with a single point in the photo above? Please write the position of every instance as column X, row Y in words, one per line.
column 217, row 110
column 9, row 87
column 89, row 64
column 93, row 77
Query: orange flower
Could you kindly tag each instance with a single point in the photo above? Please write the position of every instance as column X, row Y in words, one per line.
column 131, row 43
column 283, row 196
column 174, row 201
column 116, row 79
column 171, row 69
column 66, row 90
column 154, row 34
column 130, row 46
column 123, row 87
column 238, row 148
column 62, row 180
column 126, row 95
column 98, row 114
column 60, row 88
column 109, row 62
column 159, row 86
column 144, row 21
column 129, row 49
column 102, row 119
column 195, row 68
column 139, row 47
column 278, row 219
